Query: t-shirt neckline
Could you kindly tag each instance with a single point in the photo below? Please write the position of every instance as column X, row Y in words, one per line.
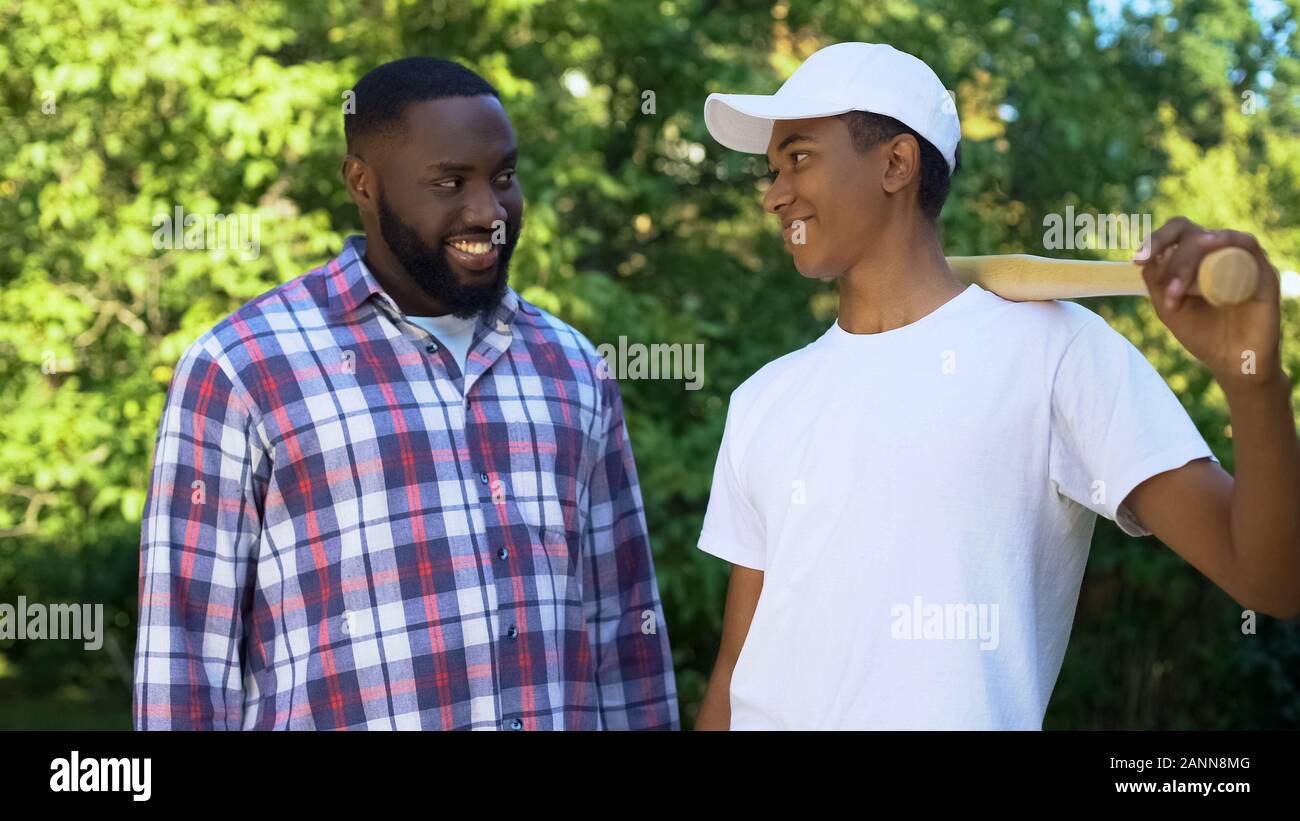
column 837, row 335
column 446, row 322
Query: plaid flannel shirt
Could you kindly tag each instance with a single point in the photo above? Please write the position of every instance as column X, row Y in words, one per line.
column 345, row 531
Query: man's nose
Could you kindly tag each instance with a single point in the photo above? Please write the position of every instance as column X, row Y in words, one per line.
column 485, row 207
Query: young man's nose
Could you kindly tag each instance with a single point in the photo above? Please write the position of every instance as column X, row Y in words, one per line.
column 777, row 196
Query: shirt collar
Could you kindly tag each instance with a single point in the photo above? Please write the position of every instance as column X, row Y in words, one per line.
column 350, row 283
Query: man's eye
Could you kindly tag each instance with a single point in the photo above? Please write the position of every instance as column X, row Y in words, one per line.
column 770, row 176
column 799, row 154
column 506, row 177
column 446, row 185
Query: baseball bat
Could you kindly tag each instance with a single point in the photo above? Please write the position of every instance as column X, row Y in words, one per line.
column 1227, row 276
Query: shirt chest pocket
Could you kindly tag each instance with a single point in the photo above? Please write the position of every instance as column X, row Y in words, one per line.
column 546, row 486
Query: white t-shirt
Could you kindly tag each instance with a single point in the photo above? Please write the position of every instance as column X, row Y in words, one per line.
column 451, row 331
column 921, row 502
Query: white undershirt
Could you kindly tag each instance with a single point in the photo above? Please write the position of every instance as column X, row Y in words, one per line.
column 452, row 332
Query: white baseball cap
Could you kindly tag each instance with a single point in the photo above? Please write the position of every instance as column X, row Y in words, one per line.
column 844, row 77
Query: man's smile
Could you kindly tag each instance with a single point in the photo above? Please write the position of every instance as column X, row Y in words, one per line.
column 473, row 253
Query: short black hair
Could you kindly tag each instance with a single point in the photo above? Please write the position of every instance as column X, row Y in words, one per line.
column 869, row 130
column 382, row 96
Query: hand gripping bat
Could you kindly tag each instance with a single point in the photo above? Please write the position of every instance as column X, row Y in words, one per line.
column 1227, row 276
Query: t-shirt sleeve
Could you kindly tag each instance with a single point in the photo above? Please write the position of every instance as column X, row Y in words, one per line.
column 1115, row 423
column 733, row 530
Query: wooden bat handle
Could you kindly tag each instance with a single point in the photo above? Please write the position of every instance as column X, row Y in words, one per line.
column 1228, row 276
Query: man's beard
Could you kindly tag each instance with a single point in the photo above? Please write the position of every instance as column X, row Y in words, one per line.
column 430, row 269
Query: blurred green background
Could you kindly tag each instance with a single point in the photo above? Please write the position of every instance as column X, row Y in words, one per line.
column 638, row 225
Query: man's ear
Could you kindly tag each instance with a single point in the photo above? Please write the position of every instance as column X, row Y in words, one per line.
column 903, row 162
column 361, row 182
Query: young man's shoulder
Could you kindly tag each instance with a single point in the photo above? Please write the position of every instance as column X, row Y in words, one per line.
column 1047, row 326
column 773, row 377
column 1046, row 319
column 1041, row 329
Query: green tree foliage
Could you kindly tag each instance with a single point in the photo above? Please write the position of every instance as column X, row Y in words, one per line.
column 638, row 225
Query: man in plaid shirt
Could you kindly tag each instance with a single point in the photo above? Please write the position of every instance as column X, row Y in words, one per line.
column 392, row 494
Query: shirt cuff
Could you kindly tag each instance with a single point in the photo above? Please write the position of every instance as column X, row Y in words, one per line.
column 730, row 552
column 1152, row 466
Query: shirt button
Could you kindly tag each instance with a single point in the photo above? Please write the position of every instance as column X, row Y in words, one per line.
column 431, row 347
column 513, row 632
column 503, row 554
column 516, row 724
column 482, row 477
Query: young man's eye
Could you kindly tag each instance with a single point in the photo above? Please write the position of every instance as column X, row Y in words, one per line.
column 446, row 185
column 770, row 176
column 798, row 154
column 506, row 177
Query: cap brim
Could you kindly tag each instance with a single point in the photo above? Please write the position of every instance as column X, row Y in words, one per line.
column 743, row 122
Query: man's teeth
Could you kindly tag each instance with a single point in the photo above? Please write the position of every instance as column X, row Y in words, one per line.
column 472, row 247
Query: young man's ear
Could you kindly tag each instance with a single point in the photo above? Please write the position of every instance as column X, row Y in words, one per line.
column 903, row 155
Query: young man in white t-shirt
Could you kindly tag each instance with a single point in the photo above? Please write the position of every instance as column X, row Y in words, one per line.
column 908, row 501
